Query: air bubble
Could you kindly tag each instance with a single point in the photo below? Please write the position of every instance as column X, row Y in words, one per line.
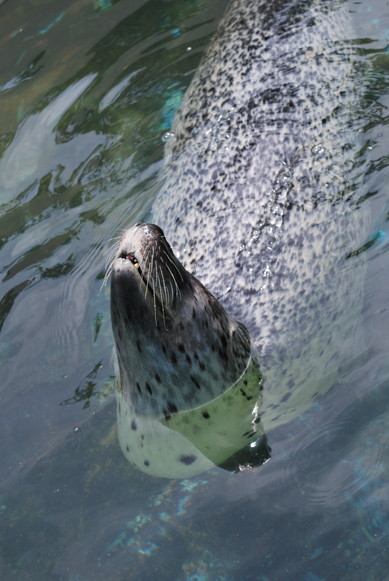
column 168, row 136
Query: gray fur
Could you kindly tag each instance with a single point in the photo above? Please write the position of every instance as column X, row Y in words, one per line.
column 260, row 198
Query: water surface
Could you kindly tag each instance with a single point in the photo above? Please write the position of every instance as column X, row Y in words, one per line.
column 88, row 90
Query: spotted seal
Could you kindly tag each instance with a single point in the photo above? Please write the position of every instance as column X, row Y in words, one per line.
column 189, row 379
column 259, row 202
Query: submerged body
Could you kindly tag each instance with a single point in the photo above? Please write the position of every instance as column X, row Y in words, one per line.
column 259, row 202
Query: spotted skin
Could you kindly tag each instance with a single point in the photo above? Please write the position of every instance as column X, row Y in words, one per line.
column 226, row 431
column 260, row 199
column 260, row 203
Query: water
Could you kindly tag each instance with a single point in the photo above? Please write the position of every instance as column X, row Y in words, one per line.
column 87, row 93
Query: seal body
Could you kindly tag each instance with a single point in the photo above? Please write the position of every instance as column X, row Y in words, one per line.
column 260, row 200
column 260, row 203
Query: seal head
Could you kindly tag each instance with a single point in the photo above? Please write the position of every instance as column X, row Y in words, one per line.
column 176, row 346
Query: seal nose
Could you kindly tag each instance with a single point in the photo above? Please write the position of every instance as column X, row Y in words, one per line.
column 153, row 230
column 148, row 229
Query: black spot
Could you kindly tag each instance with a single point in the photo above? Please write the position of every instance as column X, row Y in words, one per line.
column 189, row 360
column 223, row 354
column 164, row 349
column 205, row 415
column 119, row 407
column 181, row 348
column 171, row 408
column 187, row 459
column 142, row 437
column 223, row 339
column 138, row 387
column 146, row 463
column 248, row 397
column 138, row 346
column 157, row 378
column 134, row 427
column 195, row 356
column 193, row 313
column 245, row 381
column 173, row 358
column 148, row 387
column 194, row 380
column 202, row 366
column 127, row 448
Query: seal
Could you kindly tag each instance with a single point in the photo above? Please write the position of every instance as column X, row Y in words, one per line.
column 187, row 371
column 260, row 202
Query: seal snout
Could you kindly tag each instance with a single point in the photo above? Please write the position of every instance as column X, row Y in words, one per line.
column 146, row 266
column 139, row 238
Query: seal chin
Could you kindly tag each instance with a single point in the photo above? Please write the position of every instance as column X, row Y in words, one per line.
column 176, row 346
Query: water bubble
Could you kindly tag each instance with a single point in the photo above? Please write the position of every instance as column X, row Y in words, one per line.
column 267, row 272
column 168, row 136
column 318, row 149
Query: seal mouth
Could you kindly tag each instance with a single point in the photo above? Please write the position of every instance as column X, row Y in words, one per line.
column 132, row 258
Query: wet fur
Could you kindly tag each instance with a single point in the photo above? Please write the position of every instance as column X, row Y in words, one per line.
column 260, row 202
column 260, row 199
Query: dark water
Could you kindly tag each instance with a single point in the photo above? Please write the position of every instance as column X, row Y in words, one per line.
column 87, row 91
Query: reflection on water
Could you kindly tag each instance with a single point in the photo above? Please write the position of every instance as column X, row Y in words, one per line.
column 87, row 91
